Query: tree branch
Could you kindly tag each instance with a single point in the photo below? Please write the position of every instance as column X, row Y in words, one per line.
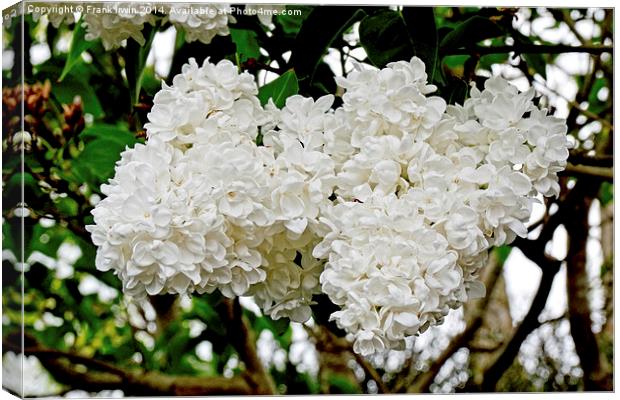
column 99, row 375
column 529, row 48
column 242, row 338
column 370, row 371
column 535, row 251
column 598, row 160
column 529, row 323
column 422, row 382
column 578, row 288
column 600, row 173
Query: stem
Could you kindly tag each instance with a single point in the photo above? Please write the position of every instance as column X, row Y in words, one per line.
column 603, row 173
column 529, row 48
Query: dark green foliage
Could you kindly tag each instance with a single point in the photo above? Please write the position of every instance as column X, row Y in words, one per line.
column 470, row 32
column 322, row 27
column 385, row 38
column 280, row 89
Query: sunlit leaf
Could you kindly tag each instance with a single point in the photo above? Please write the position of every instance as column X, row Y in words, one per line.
column 279, row 89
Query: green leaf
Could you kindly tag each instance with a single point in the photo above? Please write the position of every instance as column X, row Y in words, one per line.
column 67, row 206
column 72, row 86
column 135, row 61
column 104, row 144
column 78, row 45
column 292, row 23
column 281, row 328
column 536, row 62
column 341, row 384
column 420, row 22
column 47, row 240
column 104, row 131
column 151, row 83
column 502, row 253
column 594, row 104
column 247, row 45
column 488, row 60
column 606, row 194
column 318, row 32
column 385, row 38
column 280, row 89
column 470, row 32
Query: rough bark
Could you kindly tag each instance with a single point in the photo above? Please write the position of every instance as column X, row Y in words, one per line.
column 578, row 289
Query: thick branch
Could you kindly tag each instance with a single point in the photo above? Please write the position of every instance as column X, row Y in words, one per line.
column 99, row 375
column 578, row 288
column 242, row 338
column 535, row 251
column 529, row 323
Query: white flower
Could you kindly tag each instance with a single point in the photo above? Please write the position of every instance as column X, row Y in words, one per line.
column 206, row 104
column 388, row 204
column 25, row 376
column 212, row 21
column 265, row 12
column 116, row 27
column 55, row 18
column 390, row 101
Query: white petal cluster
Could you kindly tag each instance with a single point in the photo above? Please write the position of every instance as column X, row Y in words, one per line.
column 55, row 18
column 116, row 26
column 211, row 21
column 201, row 207
column 423, row 191
column 388, row 204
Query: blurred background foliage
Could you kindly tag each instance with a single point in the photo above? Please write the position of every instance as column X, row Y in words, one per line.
column 83, row 105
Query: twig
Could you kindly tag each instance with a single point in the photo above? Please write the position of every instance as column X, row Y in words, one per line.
column 554, row 320
column 370, row 371
column 598, row 160
column 577, row 107
column 422, row 382
column 340, row 344
column 603, row 173
column 529, row 48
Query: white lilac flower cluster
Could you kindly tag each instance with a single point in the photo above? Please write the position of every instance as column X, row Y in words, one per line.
column 121, row 21
column 117, row 25
column 212, row 21
column 55, row 18
column 387, row 204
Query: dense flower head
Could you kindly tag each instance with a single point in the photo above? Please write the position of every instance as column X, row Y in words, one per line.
column 212, row 21
column 119, row 21
column 388, row 204
column 114, row 27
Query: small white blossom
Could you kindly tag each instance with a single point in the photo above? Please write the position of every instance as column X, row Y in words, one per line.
column 114, row 28
column 212, row 21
